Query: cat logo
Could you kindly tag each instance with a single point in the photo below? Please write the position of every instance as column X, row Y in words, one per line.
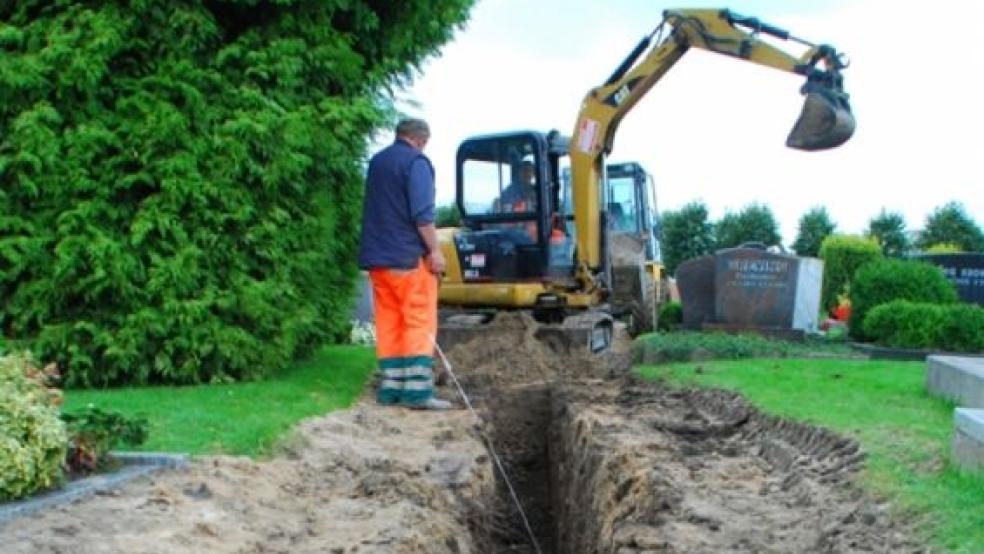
column 621, row 94
column 616, row 98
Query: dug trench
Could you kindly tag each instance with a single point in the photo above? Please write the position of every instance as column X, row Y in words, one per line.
column 603, row 462
column 600, row 462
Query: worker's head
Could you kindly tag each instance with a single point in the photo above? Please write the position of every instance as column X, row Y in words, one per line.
column 414, row 131
column 527, row 172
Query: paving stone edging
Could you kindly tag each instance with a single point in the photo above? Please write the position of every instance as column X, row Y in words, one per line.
column 135, row 464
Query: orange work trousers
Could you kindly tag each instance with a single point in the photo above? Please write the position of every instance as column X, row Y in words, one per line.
column 405, row 309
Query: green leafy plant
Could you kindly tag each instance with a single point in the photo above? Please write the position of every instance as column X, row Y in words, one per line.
column 944, row 248
column 888, row 228
column 685, row 234
column 891, row 279
column 754, row 223
column 32, row 438
column 447, row 216
column 659, row 348
column 842, row 255
column 181, row 182
column 950, row 223
column 94, row 432
column 904, row 324
column 814, row 227
column 670, row 316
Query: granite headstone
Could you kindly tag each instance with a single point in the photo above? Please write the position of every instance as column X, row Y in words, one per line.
column 695, row 283
column 966, row 271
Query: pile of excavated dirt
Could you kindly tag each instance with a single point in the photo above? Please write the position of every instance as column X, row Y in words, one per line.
column 626, row 250
column 642, row 468
column 506, row 352
column 369, row 479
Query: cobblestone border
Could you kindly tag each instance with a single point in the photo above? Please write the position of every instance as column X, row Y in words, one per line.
column 135, row 464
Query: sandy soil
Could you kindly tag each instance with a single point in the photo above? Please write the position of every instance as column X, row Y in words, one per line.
column 370, row 479
column 601, row 462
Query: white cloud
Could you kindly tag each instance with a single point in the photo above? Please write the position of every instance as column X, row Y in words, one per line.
column 714, row 128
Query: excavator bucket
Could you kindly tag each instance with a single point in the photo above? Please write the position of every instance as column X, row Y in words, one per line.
column 825, row 122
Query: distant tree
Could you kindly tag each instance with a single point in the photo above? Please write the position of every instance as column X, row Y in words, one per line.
column 888, row 228
column 754, row 223
column 447, row 216
column 951, row 224
column 814, row 226
column 687, row 234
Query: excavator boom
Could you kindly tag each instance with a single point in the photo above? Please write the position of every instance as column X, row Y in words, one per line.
column 825, row 122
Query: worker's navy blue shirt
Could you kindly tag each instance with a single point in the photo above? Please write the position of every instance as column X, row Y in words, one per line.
column 399, row 197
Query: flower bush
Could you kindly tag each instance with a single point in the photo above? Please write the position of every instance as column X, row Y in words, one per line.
column 33, row 439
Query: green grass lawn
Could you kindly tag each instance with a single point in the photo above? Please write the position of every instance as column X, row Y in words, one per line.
column 239, row 418
column 882, row 404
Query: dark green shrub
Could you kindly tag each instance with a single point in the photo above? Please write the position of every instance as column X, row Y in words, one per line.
column 814, row 226
column 842, row 255
column 754, row 223
column 688, row 345
column 904, row 324
column 891, row 279
column 963, row 328
column 180, row 182
column 447, row 216
column 685, row 234
column 94, row 432
column 670, row 315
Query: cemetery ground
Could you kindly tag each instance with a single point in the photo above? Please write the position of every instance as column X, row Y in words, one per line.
column 604, row 460
column 884, row 406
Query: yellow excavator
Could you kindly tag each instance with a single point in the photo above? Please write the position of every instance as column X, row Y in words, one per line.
column 531, row 240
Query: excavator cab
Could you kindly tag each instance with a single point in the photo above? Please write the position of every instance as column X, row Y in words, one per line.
column 631, row 199
column 508, row 196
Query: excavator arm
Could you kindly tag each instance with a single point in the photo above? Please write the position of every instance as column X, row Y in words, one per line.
column 825, row 122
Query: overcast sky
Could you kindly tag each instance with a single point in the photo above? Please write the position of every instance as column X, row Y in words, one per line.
column 714, row 128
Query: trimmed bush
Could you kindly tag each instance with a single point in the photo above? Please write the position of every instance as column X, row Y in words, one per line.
column 842, row 255
column 33, row 440
column 963, row 328
column 447, row 216
column 891, row 279
column 181, row 182
column 944, row 248
column 905, row 324
column 657, row 348
column 670, row 315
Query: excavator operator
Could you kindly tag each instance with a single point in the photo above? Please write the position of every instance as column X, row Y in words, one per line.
column 520, row 196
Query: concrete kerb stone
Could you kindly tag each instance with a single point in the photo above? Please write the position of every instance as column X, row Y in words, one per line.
column 135, row 464
column 957, row 378
column 968, row 438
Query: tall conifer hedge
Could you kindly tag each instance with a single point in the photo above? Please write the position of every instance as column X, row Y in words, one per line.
column 180, row 181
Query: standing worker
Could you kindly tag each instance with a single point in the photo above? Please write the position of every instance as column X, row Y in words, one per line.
column 399, row 248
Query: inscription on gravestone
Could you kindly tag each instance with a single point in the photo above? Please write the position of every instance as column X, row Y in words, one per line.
column 750, row 288
column 965, row 271
column 755, row 288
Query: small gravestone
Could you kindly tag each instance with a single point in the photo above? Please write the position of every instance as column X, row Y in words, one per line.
column 966, row 271
column 695, row 283
column 968, row 438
